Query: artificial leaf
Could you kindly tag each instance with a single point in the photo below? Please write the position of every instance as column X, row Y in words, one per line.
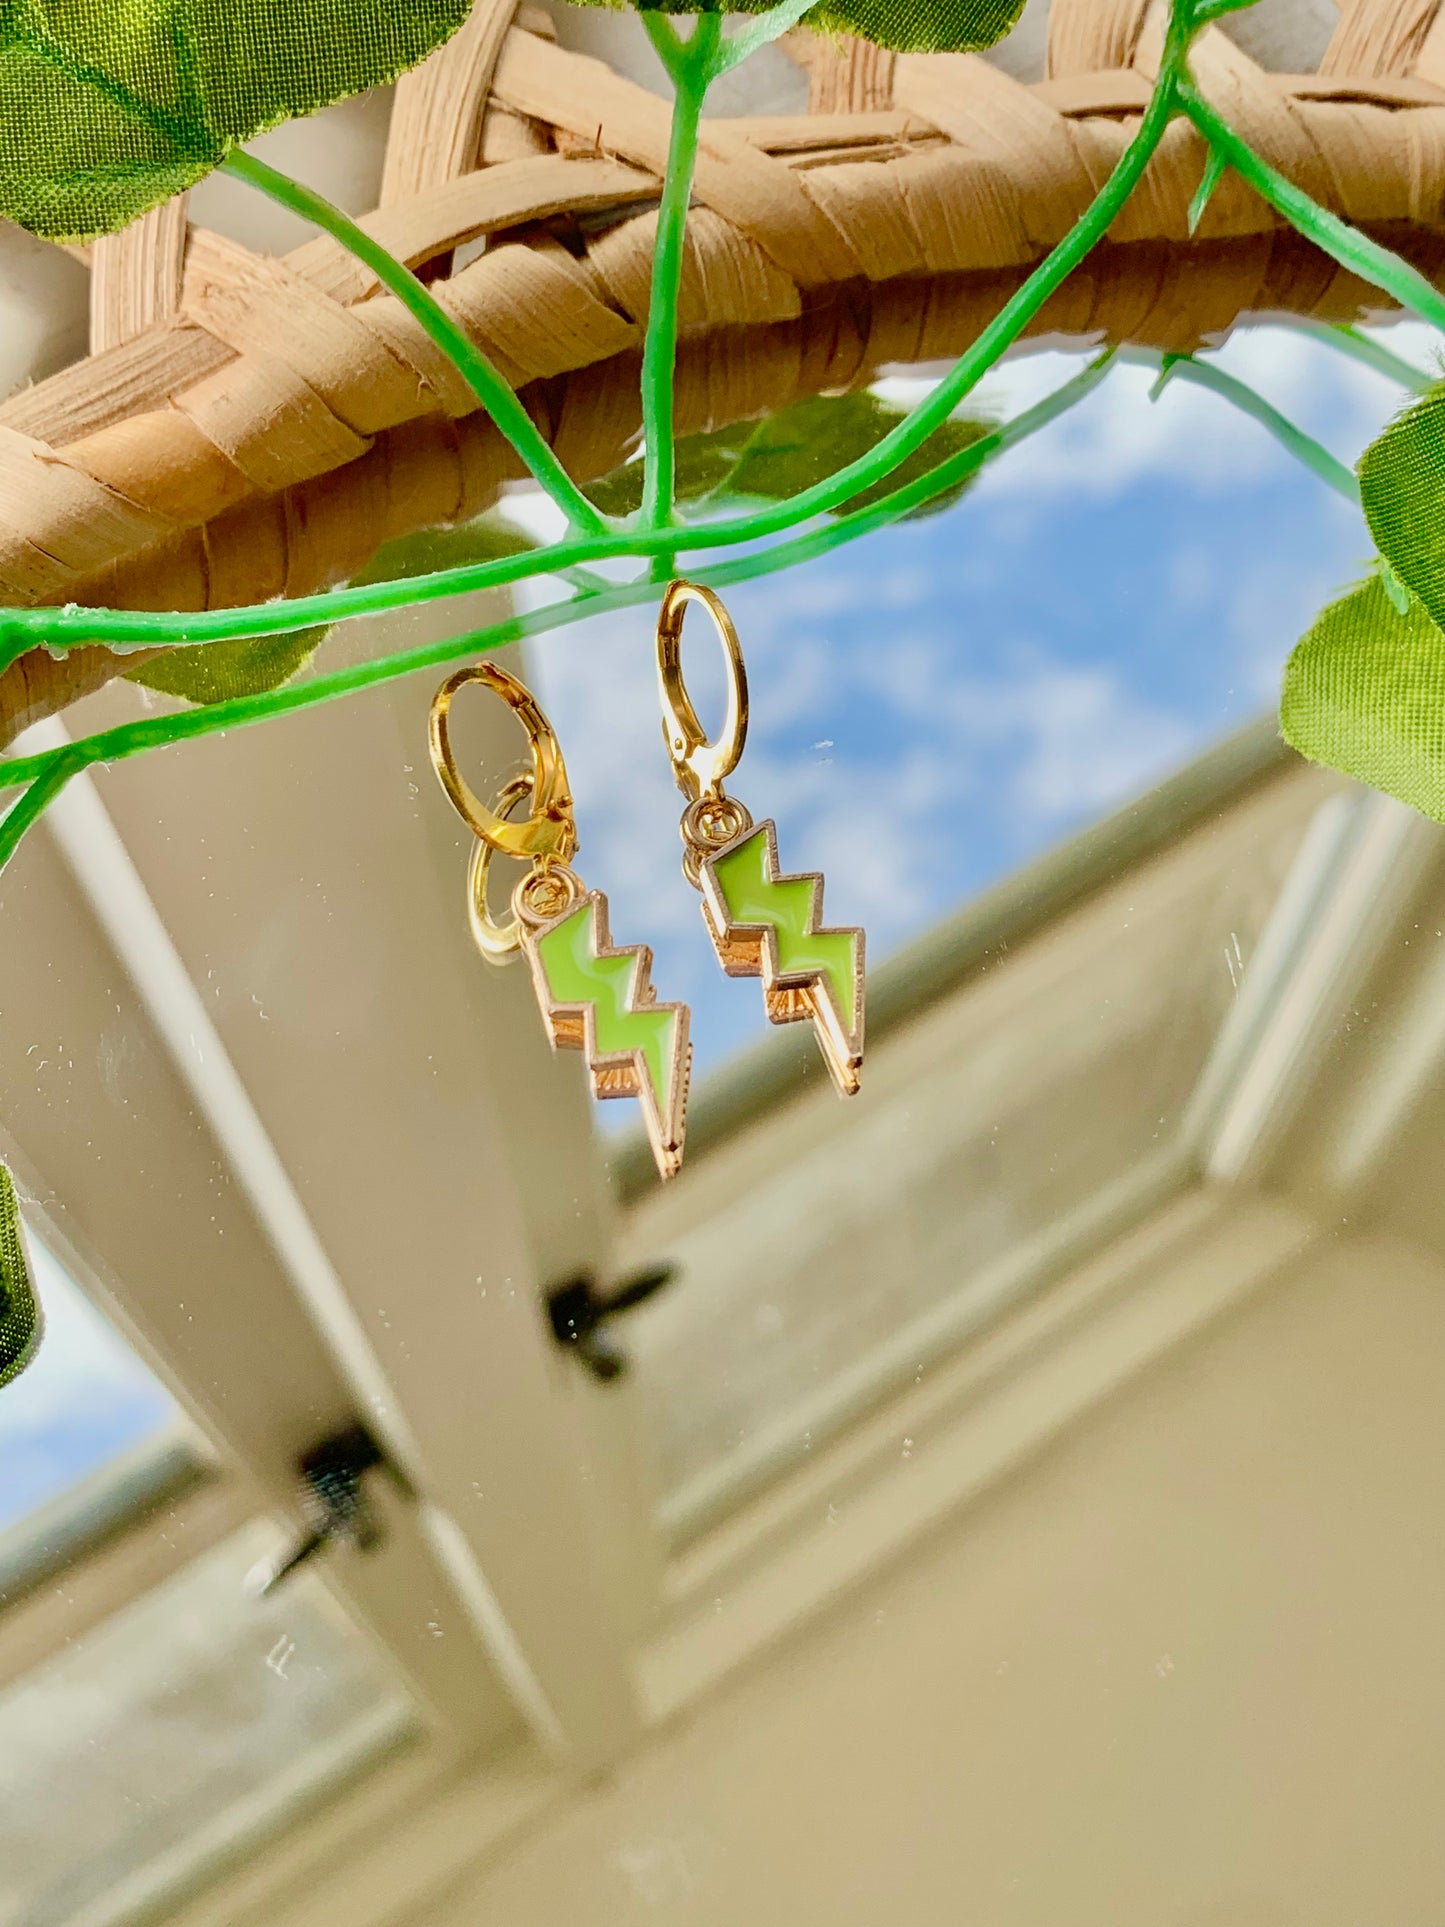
column 1402, row 490
column 805, row 444
column 791, row 451
column 1365, row 692
column 214, row 672
column 20, row 1323
column 107, row 109
column 908, row 26
column 683, row 6
column 922, row 26
column 702, row 464
column 487, row 538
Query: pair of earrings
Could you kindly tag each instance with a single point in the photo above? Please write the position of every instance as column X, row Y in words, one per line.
column 598, row 998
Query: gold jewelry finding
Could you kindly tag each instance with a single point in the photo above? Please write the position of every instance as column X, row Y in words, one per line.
column 550, row 830
column 594, row 997
column 699, row 765
column 762, row 923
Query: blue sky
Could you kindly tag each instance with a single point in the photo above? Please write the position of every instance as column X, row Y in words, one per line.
column 942, row 701
column 86, row 1398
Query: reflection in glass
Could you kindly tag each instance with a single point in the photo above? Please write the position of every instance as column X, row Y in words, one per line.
column 85, row 1401
column 178, row 1732
column 828, row 1253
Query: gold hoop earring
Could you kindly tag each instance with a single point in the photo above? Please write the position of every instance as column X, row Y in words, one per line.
column 762, row 923
column 594, row 997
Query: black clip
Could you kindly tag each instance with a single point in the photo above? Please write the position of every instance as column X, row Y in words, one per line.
column 579, row 1315
column 335, row 1503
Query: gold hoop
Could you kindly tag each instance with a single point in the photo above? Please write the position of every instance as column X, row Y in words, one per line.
column 698, row 765
column 498, row 942
column 550, row 831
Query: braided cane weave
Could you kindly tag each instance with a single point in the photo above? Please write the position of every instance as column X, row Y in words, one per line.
column 248, row 427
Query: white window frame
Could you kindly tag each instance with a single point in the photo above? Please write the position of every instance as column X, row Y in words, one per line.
column 570, row 1633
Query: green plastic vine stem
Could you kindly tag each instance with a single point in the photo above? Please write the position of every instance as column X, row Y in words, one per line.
column 1335, row 237
column 690, row 66
column 486, row 384
column 695, row 61
column 56, row 767
column 1314, row 455
column 21, row 629
column 154, row 732
column 1364, row 349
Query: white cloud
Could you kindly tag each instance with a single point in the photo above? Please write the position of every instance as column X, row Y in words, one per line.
column 1073, row 737
column 1116, row 438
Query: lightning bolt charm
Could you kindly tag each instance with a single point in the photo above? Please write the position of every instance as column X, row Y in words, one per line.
column 767, row 925
column 600, row 1000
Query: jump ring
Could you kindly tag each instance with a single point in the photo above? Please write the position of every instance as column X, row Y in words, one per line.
column 709, row 824
column 549, row 891
column 498, row 942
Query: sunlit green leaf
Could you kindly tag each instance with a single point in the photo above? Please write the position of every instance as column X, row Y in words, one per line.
column 793, row 450
column 1365, row 692
column 1402, row 489
column 214, row 672
column 702, row 464
column 909, row 26
column 682, row 6
column 922, row 26
column 107, row 109
column 19, row 1311
column 486, row 539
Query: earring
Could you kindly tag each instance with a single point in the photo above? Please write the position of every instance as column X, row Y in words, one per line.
column 594, row 997
column 762, row 923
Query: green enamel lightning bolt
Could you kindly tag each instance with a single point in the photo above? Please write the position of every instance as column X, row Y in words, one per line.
column 762, row 923
column 594, row 997
column 582, row 972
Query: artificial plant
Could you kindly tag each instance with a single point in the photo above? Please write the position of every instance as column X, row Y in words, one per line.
column 105, row 111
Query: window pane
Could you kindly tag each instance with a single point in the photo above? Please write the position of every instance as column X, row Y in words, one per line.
column 829, row 1252
column 177, row 1733
column 85, row 1401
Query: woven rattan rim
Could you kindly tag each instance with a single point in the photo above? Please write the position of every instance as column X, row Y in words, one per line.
column 247, row 427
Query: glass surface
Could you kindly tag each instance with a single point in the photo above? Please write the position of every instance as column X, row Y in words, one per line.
column 932, row 709
column 85, row 1401
column 941, row 702
column 176, row 1733
column 831, row 1251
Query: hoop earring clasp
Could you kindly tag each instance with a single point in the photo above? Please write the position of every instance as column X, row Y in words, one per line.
column 698, row 765
column 551, row 830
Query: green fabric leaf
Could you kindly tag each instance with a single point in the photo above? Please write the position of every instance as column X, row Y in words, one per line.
column 909, row 26
column 922, row 26
column 1402, row 490
column 702, row 465
column 487, row 538
column 792, row 450
column 682, row 6
column 1365, row 692
column 214, row 672
column 20, row 1322
column 109, row 107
